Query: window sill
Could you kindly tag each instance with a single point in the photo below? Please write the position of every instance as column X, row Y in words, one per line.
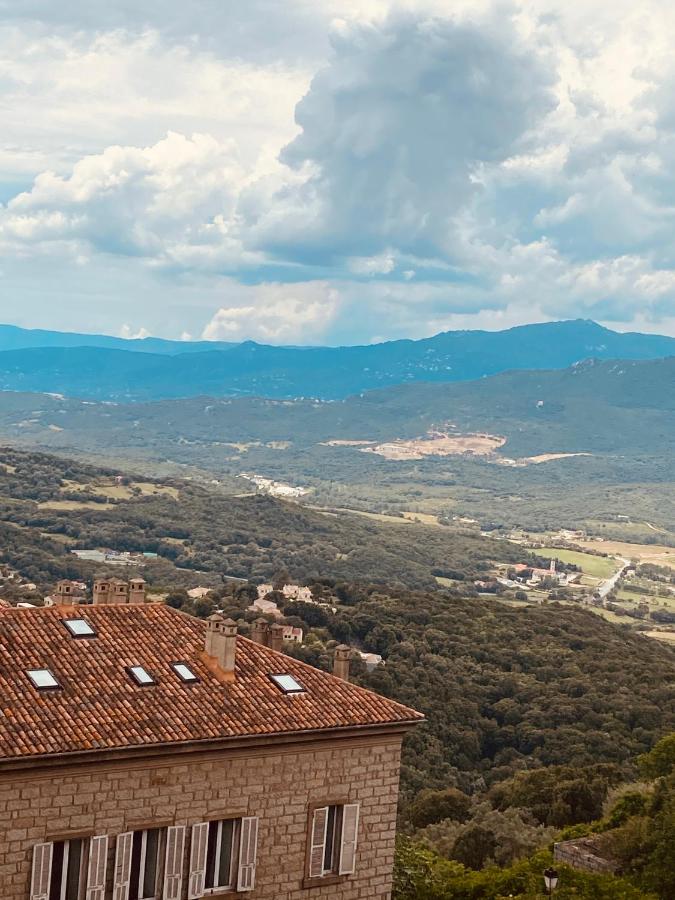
column 323, row 880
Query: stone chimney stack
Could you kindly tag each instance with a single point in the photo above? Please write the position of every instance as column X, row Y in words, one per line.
column 64, row 595
column 261, row 632
column 101, row 592
column 221, row 642
column 136, row 590
column 341, row 661
column 277, row 638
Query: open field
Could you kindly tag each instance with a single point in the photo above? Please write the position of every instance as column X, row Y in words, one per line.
column 645, row 553
column 70, row 504
column 438, row 444
column 597, row 566
column 667, row 637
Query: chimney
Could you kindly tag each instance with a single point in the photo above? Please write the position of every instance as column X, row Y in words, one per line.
column 261, row 632
column 277, row 638
column 341, row 661
column 221, row 642
column 137, row 590
column 64, row 594
column 101, row 592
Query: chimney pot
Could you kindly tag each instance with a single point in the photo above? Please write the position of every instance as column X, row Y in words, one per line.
column 221, row 641
column 341, row 661
column 261, row 632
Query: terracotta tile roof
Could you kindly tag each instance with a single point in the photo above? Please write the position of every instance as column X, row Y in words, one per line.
column 101, row 707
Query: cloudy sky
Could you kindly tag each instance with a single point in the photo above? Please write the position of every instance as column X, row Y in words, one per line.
column 336, row 171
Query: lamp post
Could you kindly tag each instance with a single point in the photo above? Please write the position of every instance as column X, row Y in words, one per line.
column 550, row 880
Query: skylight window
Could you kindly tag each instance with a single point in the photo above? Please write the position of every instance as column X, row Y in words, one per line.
column 79, row 628
column 140, row 675
column 287, row 684
column 42, row 679
column 184, row 672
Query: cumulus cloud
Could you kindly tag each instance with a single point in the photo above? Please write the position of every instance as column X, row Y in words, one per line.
column 170, row 202
column 395, row 128
column 356, row 169
column 277, row 313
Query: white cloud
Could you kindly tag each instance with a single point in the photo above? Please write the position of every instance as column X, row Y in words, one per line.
column 126, row 331
column 450, row 162
column 372, row 265
column 278, row 314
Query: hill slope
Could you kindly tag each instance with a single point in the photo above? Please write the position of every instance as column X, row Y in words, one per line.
column 331, row 373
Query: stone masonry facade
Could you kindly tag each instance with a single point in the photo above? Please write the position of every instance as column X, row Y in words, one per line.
column 278, row 783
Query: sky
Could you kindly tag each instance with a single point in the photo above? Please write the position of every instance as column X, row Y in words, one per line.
column 336, row 171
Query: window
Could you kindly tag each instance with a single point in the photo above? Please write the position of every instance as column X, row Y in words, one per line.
column 223, row 856
column 287, row 684
column 144, row 865
column 69, row 870
column 141, row 676
column 43, row 679
column 221, row 853
column 79, row 628
column 333, row 835
column 184, row 672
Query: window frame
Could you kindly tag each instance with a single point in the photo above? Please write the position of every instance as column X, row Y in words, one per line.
column 300, row 689
column 234, row 855
column 194, row 679
column 135, row 678
column 333, row 876
column 57, row 686
column 161, row 834
column 74, row 635
column 81, row 875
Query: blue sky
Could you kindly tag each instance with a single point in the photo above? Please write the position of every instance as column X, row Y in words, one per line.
column 336, row 172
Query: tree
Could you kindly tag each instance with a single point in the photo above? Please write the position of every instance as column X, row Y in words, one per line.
column 433, row 806
column 660, row 760
column 474, row 847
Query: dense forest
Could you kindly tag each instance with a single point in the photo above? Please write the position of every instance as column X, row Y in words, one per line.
column 634, row 826
column 49, row 506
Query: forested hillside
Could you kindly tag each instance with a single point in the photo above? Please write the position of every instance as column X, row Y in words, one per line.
column 49, row 506
column 618, row 416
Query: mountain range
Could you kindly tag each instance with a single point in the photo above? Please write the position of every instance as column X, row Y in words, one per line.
column 106, row 368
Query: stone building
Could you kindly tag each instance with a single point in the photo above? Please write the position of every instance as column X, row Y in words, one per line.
column 148, row 755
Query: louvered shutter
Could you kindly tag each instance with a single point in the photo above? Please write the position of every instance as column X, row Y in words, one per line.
column 123, row 849
column 97, row 867
column 42, row 871
column 198, row 847
column 248, row 849
column 317, row 850
column 173, row 863
column 350, row 827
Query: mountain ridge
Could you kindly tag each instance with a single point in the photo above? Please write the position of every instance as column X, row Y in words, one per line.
column 251, row 369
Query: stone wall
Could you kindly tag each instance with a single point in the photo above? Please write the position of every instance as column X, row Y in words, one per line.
column 584, row 854
column 277, row 784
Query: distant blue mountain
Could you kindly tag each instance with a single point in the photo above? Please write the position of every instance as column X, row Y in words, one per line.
column 108, row 373
column 14, row 338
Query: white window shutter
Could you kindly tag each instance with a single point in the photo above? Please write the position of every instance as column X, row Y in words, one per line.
column 198, row 848
column 317, row 850
column 42, row 871
column 123, row 850
column 97, row 867
column 248, row 851
column 350, row 828
column 173, row 863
